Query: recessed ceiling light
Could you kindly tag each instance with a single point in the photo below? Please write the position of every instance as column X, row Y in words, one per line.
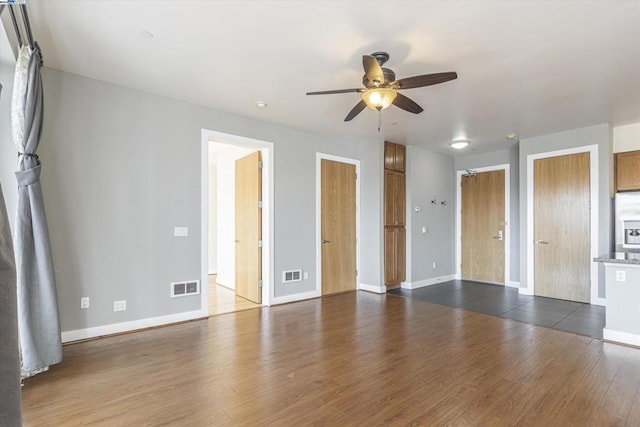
column 146, row 34
column 460, row 144
column 512, row 137
column 261, row 104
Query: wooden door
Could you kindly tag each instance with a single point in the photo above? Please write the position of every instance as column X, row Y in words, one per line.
column 482, row 227
column 338, row 226
column 394, row 156
column 394, row 255
column 248, row 217
column 395, row 195
column 562, row 227
column 627, row 167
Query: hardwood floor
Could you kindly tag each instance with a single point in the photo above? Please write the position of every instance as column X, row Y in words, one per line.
column 349, row 359
column 224, row 300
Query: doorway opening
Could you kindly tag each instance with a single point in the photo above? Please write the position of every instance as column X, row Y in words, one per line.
column 484, row 224
column 337, row 224
column 236, row 239
column 586, row 197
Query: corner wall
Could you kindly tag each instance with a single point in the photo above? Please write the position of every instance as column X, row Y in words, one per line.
column 429, row 176
column 121, row 168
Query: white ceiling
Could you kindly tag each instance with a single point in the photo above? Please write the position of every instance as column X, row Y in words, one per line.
column 529, row 67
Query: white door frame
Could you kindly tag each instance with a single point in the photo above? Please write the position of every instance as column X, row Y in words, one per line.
column 319, row 158
column 593, row 166
column 507, row 219
column 267, row 212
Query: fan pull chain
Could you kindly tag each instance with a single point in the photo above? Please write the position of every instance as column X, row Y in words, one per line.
column 379, row 120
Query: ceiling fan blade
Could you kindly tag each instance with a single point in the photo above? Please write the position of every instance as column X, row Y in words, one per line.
column 425, row 80
column 372, row 69
column 329, row 92
column 355, row 111
column 407, row 104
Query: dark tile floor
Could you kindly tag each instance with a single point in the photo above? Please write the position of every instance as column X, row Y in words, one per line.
column 584, row 319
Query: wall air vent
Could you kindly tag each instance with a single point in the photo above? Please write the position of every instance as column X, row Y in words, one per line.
column 182, row 289
column 291, row 276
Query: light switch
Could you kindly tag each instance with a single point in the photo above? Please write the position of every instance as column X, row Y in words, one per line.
column 621, row 276
column 425, row 230
column 181, row 231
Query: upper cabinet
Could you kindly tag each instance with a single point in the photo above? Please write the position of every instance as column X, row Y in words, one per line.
column 394, row 157
column 627, row 167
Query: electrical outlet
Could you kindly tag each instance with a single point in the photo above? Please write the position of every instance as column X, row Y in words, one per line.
column 84, row 302
column 425, row 230
column 305, row 275
column 621, row 276
column 120, row 305
column 181, row 231
column 434, row 265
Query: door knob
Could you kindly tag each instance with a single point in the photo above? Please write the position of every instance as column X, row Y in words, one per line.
column 325, row 241
column 540, row 242
column 499, row 236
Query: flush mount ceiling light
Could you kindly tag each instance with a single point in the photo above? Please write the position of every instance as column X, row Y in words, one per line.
column 146, row 34
column 261, row 104
column 512, row 137
column 460, row 144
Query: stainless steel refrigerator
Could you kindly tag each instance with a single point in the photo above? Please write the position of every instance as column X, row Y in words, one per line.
column 627, row 226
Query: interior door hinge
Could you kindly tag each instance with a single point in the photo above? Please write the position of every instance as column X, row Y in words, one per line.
column 260, row 283
column 260, row 164
column 259, row 243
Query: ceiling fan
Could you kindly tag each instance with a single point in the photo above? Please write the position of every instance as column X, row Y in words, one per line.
column 381, row 87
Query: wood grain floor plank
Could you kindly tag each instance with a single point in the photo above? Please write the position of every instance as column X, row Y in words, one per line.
column 348, row 359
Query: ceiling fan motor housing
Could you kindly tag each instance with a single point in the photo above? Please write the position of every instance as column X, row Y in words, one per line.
column 389, row 77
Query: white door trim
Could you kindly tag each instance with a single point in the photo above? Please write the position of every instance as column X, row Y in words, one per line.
column 319, row 158
column 593, row 176
column 507, row 218
column 266, row 149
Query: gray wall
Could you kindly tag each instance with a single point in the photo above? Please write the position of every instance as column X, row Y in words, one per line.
column 502, row 157
column 430, row 176
column 594, row 135
column 121, row 168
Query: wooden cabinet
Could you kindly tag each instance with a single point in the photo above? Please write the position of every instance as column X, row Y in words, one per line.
column 627, row 167
column 394, row 255
column 394, row 198
column 394, row 214
column 394, row 157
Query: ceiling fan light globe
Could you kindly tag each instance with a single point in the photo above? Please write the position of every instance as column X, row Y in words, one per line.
column 379, row 98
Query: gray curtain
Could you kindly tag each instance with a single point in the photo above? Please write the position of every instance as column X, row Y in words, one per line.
column 10, row 415
column 38, row 323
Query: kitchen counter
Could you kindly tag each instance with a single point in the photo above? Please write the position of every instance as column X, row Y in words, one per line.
column 622, row 281
column 631, row 258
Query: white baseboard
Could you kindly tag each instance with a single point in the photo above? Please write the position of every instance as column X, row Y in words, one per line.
column 427, row 282
column 117, row 328
column 295, row 297
column 623, row 337
column 599, row 301
column 381, row 289
column 211, row 272
column 525, row 291
column 512, row 284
